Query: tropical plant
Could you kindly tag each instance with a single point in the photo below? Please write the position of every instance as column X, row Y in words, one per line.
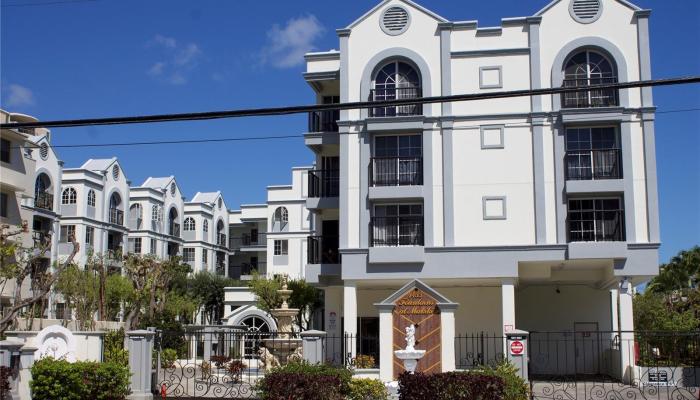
column 367, row 389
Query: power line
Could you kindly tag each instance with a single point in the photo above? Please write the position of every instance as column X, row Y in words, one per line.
column 46, row 3
column 256, row 138
column 252, row 112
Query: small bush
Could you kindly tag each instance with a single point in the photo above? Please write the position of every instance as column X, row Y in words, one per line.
column 450, row 386
column 114, row 350
column 168, row 358
column 367, row 389
column 205, row 367
column 5, row 374
column 61, row 380
column 364, row 361
column 219, row 361
column 304, row 381
column 234, row 369
column 515, row 387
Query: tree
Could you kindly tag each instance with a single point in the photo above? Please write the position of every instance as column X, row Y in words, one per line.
column 207, row 290
column 680, row 274
column 80, row 290
column 18, row 263
column 118, row 292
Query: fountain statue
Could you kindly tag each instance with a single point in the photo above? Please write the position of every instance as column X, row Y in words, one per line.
column 410, row 355
column 283, row 346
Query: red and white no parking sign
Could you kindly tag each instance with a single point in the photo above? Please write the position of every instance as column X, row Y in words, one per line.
column 516, row 348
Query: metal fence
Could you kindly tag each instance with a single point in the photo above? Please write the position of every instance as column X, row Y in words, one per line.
column 479, row 350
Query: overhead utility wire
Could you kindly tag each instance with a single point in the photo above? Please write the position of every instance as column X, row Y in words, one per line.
column 252, row 112
column 253, row 138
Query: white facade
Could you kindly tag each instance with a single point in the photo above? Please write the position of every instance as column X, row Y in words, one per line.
column 206, row 247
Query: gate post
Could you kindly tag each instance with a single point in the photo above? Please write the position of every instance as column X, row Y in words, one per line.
column 517, row 351
column 140, row 346
column 312, row 342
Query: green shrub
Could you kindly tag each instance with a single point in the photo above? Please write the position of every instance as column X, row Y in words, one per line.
column 61, row 380
column 367, row 389
column 471, row 385
column 114, row 350
column 515, row 387
column 304, row 381
column 364, row 361
column 205, row 367
column 168, row 358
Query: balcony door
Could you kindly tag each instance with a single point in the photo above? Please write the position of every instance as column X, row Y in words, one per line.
column 329, row 242
column 330, row 176
column 398, row 160
column 593, row 153
column 397, row 225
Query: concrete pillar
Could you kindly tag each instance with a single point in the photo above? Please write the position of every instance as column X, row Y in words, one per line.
column 517, row 351
column 508, row 305
column 9, row 358
column 26, row 360
column 350, row 316
column 626, row 319
column 312, row 342
column 448, row 334
column 140, row 346
column 386, row 343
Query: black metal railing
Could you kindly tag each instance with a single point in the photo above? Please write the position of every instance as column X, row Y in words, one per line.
column 384, row 94
column 594, row 164
column 116, row 216
column 396, row 231
column 248, row 240
column 324, row 183
column 322, row 250
column 221, row 240
column 174, row 229
column 44, row 201
column 477, row 350
column 589, row 98
column 396, row 171
column 596, row 226
column 249, row 268
column 40, row 238
column 324, row 121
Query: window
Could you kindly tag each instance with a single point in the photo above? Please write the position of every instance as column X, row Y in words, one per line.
column 205, row 255
column 154, row 244
column 66, row 232
column 398, row 160
column 205, row 225
column 280, row 219
column 135, row 211
column 189, row 224
column 3, row 205
column 593, row 153
column 135, row 245
column 596, row 220
column 396, row 80
column 589, row 68
column 91, row 198
column 188, row 254
column 69, row 196
column 5, row 150
column 89, row 236
column 155, row 213
column 281, row 247
column 115, row 172
column 397, row 225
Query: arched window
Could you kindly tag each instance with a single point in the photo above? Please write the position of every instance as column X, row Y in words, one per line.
column 115, row 202
column 396, row 80
column 205, row 226
column 91, row 198
column 189, row 224
column 585, row 68
column 135, row 211
column 42, row 194
column 280, row 219
column 173, row 226
column 69, row 196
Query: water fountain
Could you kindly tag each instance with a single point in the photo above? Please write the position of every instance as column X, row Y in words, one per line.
column 284, row 346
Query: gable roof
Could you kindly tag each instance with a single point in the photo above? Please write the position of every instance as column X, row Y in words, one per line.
column 100, row 164
column 407, row 2
column 206, row 197
column 161, row 183
column 550, row 5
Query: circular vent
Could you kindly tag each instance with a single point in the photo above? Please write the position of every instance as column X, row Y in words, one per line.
column 115, row 172
column 395, row 20
column 44, row 151
column 172, row 189
column 586, row 11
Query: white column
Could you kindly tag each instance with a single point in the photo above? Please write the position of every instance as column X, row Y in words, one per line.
column 626, row 319
column 447, row 336
column 507, row 305
column 350, row 314
column 386, row 344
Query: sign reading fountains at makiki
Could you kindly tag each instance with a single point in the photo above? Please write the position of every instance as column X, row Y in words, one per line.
column 417, row 307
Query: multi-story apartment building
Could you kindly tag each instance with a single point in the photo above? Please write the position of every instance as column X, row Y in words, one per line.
column 535, row 213
column 156, row 211
column 205, row 232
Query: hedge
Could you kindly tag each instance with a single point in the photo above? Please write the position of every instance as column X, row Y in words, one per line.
column 451, row 386
column 60, row 380
column 303, row 381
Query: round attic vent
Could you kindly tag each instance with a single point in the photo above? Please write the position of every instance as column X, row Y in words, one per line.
column 586, row 11
column 395, row 20
column 44, row 151
column 115, row 172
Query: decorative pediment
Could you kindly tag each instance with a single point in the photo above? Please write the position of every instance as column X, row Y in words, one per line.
column 442, row 302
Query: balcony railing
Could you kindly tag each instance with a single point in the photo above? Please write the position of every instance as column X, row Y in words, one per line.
column 174, row 229
column 592, row 97
column 596, row 226
column 40, row 238
column 248, row 240
column 593, row 164
column 396, row 171
column 396, row 231
column 249, row 268
column 324, row 121
column 384, row 94
column 221, row 240
column 322, row 250
column 44, row 201
column 116, row 216
column 324, row 183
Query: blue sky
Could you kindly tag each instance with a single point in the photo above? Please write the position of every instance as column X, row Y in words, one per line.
column 125, row 57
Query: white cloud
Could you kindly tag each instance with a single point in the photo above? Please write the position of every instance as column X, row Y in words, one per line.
column 286, row 46
column 177, row 59
column 19, row 96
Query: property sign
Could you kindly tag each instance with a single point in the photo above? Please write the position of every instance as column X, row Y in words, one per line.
column 516, row 348
column 419, row 308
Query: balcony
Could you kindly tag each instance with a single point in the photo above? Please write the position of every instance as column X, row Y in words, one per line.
column 116, row 216
column 594, row 164
column 322, row 250
column 396, row 231
column 385, row 94
column 324, row 121
column 396, row 171
column 249, row 242
column 44, row 201
column 174, row 229
column 596, row 226
column 221, row 240
column 324, row 183
column 591, row 98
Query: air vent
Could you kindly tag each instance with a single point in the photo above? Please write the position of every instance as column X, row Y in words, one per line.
column 172, row 189
column 44, row 151
column 115, row 172
column 395, row 20
column 586, row 11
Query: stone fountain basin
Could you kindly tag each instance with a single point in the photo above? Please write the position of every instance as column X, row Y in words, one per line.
column 409, row 354
column 282, row 345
